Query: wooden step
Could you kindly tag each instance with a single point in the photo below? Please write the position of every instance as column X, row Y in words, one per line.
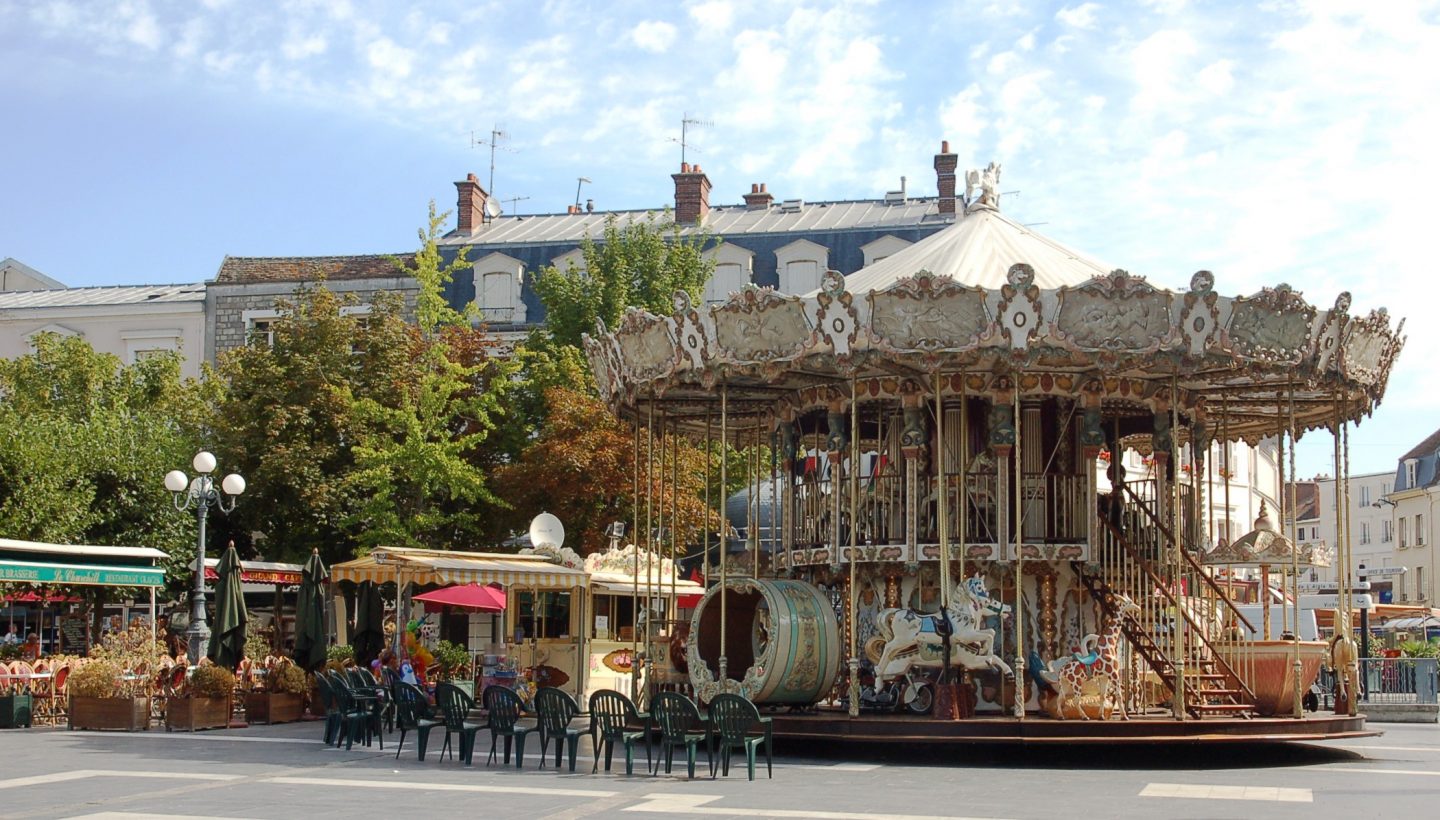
column 1222, row 707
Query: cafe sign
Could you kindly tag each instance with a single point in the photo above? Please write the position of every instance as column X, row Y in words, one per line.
column 35, row 573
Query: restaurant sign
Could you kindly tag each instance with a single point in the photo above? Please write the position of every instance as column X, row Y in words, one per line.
column 33, row 573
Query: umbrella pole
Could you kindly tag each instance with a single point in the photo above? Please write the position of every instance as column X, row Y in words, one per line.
column 152, row 614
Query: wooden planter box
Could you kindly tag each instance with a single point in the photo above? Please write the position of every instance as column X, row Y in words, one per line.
column 127, row 714
column 273, row 707
column 189, row 714
column 16, row 711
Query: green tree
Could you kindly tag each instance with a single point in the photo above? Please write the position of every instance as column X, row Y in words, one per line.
column 84, row 444
column 638, row 263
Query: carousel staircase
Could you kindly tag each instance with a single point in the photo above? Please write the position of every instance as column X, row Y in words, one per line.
column 1212, row 689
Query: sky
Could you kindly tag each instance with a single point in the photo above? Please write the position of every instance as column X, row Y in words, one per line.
column 1266, row 141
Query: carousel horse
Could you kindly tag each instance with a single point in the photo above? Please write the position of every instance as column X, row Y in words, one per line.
column 1069, row 675
column 972, row 644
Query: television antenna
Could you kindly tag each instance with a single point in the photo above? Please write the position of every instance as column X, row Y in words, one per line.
column 686, row 123
column 514, row 199
column 497, row 135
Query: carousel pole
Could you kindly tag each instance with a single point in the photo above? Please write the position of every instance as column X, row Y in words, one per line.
column 964, row 468
column 775, row 511
column 642, row 660
column 1019, row 562
column 635, row 575
column 674, row 517
column 943, row 523
column 1181, row 631
column 854, row 699
column 754, row 498
column 709, row 465
column 1296, row 668
column 1350, row 573
column 724, row 524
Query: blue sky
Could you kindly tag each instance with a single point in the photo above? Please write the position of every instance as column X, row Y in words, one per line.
column 1269, row 142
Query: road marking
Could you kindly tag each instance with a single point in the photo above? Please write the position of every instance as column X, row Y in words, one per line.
column 1387, row 748
column 685, row 803
column 1203, row 792
column 1422, row 772
column 82, row 774
column 439, row 787
column 125, row 815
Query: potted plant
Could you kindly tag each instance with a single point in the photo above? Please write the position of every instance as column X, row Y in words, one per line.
column 283, row 698
column 101, row 697
column 454, row 662
column 207, row 700
column 112, row 688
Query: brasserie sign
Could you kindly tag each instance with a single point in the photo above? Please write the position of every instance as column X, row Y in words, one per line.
column 25, row 572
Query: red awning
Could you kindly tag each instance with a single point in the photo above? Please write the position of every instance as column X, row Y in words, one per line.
column 38, row 598
column 470, row 596
column 260, row 572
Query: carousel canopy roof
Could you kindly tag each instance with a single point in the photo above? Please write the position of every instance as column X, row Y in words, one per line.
column 979, row 250
column 1055, row 323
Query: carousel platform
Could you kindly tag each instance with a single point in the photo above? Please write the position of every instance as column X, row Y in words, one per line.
column 833, row 725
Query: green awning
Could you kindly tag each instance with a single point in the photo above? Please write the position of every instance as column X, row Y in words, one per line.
column 84, row 574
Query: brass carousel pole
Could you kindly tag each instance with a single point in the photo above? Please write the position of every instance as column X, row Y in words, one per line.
column 1299, row 704
column 724, row 523
column 854, row 707
column 964, row 466
column 1350, row 573
column 1019, row 562
column 943, row 525
column 1181, row 631
column 674, row 518
column 635, row 575
column 649, row 539
column 754, row 498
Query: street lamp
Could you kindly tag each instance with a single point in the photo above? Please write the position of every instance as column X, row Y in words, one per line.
column 201, row 493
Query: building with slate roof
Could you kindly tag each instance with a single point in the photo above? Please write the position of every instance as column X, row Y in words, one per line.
column 1412, row 505
column 129, row 321
column 785, row 244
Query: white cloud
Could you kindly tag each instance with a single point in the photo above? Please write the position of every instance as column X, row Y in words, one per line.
column 1081, row 16
column 1216, row 77
column 654, row 36
column 298, row 46
column 715, row 16
column 388, row 58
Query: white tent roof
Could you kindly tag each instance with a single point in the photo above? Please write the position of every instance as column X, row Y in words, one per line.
column 979, row 250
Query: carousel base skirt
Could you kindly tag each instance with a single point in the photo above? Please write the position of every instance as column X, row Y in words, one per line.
column 836, row 725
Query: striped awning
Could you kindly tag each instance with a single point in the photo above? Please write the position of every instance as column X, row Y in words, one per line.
column 619, row 583
column 442, row 567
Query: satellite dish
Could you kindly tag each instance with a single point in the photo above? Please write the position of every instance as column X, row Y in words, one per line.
column 547, row 531
column 492, row 209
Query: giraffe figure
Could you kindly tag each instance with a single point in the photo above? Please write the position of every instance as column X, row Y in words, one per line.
column 1075, row 672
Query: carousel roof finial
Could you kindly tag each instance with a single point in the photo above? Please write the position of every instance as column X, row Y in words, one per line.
column 988, row 183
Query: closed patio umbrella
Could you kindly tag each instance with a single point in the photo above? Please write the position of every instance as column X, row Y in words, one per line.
column 310, row 638
column 369, row 637
column 227, row 641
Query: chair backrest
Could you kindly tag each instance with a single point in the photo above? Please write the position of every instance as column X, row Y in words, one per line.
column 177, row 679
column 454, row 704
column 327, row 695
column 732, row 716
column 503, row 706
column 555, row 708
column 675, row 713
column 368, row 677
column 611, row 711
column 353, row 678
column 42, row 666
column 57, row 684
column 410, row 704
column 340, row 691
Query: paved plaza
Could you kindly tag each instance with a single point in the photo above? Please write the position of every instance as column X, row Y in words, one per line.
column 284, row 771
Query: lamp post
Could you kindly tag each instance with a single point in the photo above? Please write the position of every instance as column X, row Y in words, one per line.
column 202, row 493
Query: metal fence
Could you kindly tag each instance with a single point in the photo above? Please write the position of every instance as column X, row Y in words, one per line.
column 1389, row 680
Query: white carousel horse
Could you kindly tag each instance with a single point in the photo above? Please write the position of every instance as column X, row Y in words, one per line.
column 1344, row 661
column 972, row 644
column 1102, row 665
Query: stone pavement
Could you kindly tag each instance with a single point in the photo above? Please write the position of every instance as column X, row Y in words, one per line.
column 284, row 771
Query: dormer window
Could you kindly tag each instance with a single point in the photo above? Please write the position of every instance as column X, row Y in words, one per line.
column 497, row 289
column 734, row 267
column 1410, row 471
column 799, row 265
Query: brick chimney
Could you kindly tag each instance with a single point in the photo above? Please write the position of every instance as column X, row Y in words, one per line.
column 758, row 199
column 471, row 205
column 945, row 165
column 692, row 195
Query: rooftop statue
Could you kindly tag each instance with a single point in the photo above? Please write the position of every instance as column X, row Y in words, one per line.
column 988, row 183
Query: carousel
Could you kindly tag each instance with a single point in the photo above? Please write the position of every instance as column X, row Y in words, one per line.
column 953, row 550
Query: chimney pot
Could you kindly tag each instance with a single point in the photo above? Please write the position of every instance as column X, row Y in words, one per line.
column 758, row 199
column 692, row 195
column 945, row 165
column 589, row 206
column 470, row 205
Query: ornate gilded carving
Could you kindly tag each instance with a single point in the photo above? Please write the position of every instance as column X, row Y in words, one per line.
column 1018, row 314
column 761, row 325
column 1118, row 312
column 927, row 313
column 1272, row 326
column 835, row 320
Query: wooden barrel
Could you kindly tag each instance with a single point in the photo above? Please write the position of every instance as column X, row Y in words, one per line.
column 782, row 646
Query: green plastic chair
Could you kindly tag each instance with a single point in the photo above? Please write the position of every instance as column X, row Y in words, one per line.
column 332, row 708
column 504, row 706
column 680, row 725
column 611, row 715
column 732, row 717
column 355, row 716
column 555, row 709
column 455, row 707
column 413, row 713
